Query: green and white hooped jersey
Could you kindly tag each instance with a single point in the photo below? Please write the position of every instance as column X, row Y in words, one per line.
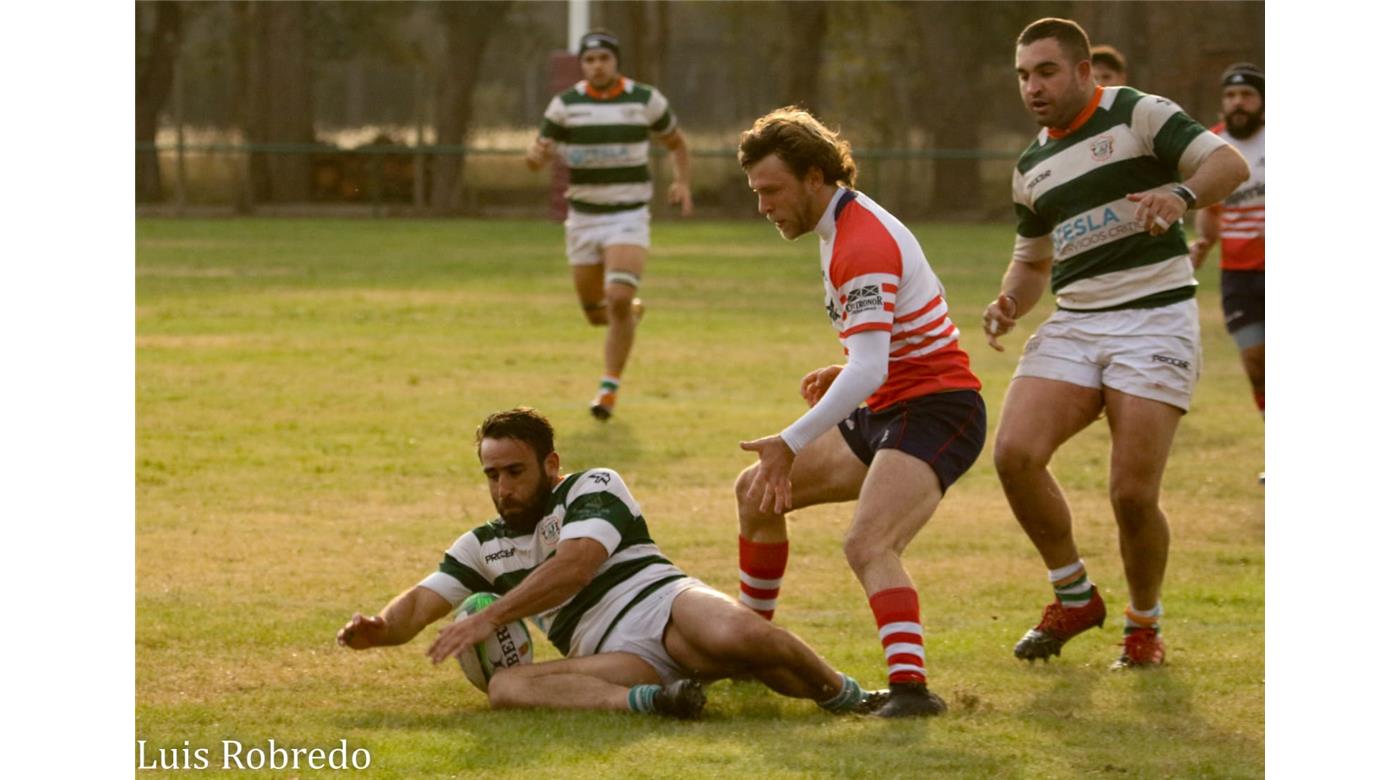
column 592, row 504
column 1071, row 191
column 604, row 139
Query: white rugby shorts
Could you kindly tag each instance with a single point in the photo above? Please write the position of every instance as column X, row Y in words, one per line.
column 642, row 630
column 1150, row 353
column 587, row 234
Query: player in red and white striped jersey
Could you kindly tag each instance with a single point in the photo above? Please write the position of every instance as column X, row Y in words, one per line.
column 1238, row 222
column 923, row 422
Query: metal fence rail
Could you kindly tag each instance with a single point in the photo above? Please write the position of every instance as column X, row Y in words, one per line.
column 398, row 173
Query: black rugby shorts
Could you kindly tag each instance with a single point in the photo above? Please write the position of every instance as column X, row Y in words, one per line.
column 1242, row 297
column 944, row 430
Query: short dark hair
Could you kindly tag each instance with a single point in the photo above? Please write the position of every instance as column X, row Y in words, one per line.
column 522, row 424
column 1071, row 37
column 1103, row 54
column 800, row 141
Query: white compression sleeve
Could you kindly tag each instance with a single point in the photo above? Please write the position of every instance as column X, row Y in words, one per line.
column 865, row 371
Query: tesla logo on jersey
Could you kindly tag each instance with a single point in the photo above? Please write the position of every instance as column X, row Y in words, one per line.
column 1101, row 148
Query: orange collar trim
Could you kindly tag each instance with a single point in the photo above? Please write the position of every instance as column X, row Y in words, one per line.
column 608, row 94
column 1081, row 118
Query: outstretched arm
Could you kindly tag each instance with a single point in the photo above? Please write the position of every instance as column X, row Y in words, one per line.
column 555, row 581
column 679, row 192
column 864, row 372
column 399, row 621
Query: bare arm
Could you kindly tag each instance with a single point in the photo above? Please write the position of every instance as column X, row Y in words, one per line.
column 1208, row 232
column 552, row 583
column 679, row 192
column 1025, row 281
column 1218, row 175
column 399, row 621
column 1221, row 173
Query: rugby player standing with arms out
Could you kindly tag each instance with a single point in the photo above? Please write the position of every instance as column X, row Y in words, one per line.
column 923, row 424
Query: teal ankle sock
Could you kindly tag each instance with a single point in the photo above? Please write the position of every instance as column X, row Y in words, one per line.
column 642, row 698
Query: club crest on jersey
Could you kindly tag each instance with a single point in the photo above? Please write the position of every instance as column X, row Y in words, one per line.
column 549, row 530
column 1101, row 148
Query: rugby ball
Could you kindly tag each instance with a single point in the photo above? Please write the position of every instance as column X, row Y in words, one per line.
column 509, row 646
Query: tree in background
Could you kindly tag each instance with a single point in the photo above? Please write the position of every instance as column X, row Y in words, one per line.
column 801, row 63
column 468, row 28
column 158, row 35
column 275, row 97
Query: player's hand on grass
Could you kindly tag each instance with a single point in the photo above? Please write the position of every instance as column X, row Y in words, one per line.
column 1158, row 209
column 999, row 319
column 772, row 481
column 816, row 383
column 679, row 195
column 361, row 632
column 460, row 635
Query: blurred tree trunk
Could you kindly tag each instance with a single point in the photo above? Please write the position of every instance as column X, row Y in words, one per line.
column 276, row 98
column 158, row 31
column 953, row 36
column 806, row 25
column 467, row 27
column 644, row 40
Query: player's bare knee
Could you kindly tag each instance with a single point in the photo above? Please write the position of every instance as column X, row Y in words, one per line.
column 746, row 639
column 619, row 301
column 505, row 689
column 1133, row 503
column 1014, row 458
column 862, row 553
column 596, row 313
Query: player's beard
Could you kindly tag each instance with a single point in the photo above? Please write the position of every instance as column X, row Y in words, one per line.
column 1243, row 124
column 525, row 516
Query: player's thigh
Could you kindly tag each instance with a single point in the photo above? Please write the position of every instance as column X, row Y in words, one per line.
column 616, row 668
column 625, row 258
column 588, row 283
column 711, row 633
column 898, row 498
column 826, row 471
column 1142, row 430
column 1040, row 414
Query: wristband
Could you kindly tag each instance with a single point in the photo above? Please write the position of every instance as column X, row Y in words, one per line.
column 1015, row 304
column 1185, row 193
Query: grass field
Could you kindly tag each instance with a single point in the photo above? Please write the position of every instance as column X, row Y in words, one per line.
column 306, row 396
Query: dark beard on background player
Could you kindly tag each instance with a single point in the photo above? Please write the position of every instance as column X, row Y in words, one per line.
column 1243, row 124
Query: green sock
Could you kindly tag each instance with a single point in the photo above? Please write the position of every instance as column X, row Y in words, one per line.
column 642, row 698
column 851, row 694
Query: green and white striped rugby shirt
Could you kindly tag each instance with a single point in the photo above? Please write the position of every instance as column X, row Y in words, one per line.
column 604, row 140
column 1070, row 192
column 593, row 504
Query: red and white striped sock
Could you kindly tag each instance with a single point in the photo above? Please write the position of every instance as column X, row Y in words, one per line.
column 897, row 615
column 761, row 567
